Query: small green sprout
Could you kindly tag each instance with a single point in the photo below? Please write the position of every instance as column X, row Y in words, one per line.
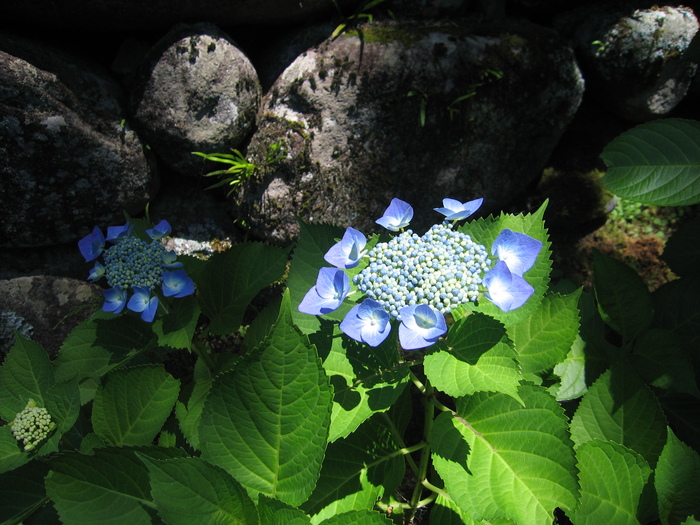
column 32, row 426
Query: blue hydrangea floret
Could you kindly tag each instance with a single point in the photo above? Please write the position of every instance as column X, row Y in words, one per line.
column 416, row 281
column 135, row 270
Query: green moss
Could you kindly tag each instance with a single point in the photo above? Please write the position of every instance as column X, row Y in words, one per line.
column 386, row 34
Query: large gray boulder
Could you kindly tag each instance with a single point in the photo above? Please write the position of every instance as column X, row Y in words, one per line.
column 67, row 159
column 632, row 58
column 198, row 92
column 419, row 112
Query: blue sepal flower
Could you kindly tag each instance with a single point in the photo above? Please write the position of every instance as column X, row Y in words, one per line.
column 117, row 233
column 92, row 245
column 160, row 230
column 177, row 284
column 115, row 300
column 367, row 322
column 332, row 286
column 421, row 326
column 506, row 289
column 97, row 272
column 169, row 260
column 142, row 302
column 454, row 210
column 397, row 216
column 517, row 250
column 347, row 252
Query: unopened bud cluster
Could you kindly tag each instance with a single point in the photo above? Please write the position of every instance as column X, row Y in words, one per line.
column 443, row 269
column 133, row 262
column 32, row 425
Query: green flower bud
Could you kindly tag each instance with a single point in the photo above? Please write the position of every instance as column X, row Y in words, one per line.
column 32, row 426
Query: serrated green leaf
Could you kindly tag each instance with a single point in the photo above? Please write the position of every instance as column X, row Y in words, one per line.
column 682, row 250
column 266, row 422
column 612, row 480
column 364, row 381
column 501, row 459
column 63, row 404
column 84, row 493
column 661, row 361
column 446, row 512
column 619, row 407
column 655, row 163
column 358, row 517
column 545, row 337
column 25, row 374
column 357, row 471
column 572, row 373
column 11, row 453
column 189, row 413
column 624, row 301
column 314, row 241
column 480, row 358
column 274, row 512
column 485, row 230
column 677, row 480
column 177, row 328
column 231, row 279
column 133, row 403
column 190, row 490
column 22, row 492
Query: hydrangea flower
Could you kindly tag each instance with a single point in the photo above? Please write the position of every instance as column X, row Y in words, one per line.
column 32, row 426
column 347, row 252
column 454, row 210
column 414, row 281
column 332, row 287
column 397, row 216
column 132, row 265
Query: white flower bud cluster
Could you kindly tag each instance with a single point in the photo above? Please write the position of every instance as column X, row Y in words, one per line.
column 32, row 425
column 443, row 269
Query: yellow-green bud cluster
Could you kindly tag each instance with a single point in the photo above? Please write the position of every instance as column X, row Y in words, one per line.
column 32, row 425
column 133, row 262
column 443, row 269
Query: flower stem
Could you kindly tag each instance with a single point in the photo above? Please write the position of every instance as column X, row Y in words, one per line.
column 424, row 461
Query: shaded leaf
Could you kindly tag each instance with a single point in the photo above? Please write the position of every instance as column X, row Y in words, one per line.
column 11, row 453
column 274, row 512
column 22, row 491
column 358, row 517
column 677, row 308
column 177, row 328
column 682, row 250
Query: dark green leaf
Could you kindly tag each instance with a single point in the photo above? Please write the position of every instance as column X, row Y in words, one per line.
column 682, row 250
column 22, row 492
column 176, row 329
column 677, row 308
column 677, row 480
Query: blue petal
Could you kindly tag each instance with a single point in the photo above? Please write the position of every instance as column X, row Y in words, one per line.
column 454, row 210
column 506, row 289
column 332, row 286
column 169, row 260
column 142, row 302
column 517, row 250
column 160, row 230
column 117, row 233
column 367, row 322
column 177, row 284
column 347, row 252
column 115, row 300
column 91, row 245
column 397, row 216
column 421, row 326
column 96, row 272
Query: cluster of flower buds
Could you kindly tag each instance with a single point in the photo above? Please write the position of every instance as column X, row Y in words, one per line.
column 136, row 265
column 32, row 426
column 416, row 280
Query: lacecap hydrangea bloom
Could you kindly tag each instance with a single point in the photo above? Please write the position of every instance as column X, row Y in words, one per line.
column 136, row 270
column 32, row 426
column 415, row 280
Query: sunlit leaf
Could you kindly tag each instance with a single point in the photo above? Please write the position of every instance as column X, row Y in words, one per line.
column 677, row 479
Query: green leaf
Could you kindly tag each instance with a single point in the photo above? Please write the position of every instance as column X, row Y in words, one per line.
column 357, row 471
column 485, row 230
column 11, row 453
column 190, row 490
column 109, row 487
column 25, row 374
column 655, row 163
column 358, row 517
column 677, row 479
column 314, row 241
column 363, row 382
column 63, row 404
column 612, row 480
column 677, row 308
column 619, row 407
column 22, row 492
column 572, row 373
column 661, row 361
column 266, row 422
column 133, row 403
column 274, row 512
column 480, row 358
column 501, row 459
column 177, row 328
column 189, row 413
column 682, row 250
column 545, row 337
column 624, row 302
column 231, row 279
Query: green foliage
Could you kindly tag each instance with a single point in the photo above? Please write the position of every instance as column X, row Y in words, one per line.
column 577, row 403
